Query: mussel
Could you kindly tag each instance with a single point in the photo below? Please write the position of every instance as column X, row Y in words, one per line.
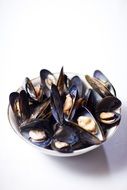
column 39, row 132
column 47, row 79
column 101, row 77
column 65, row 138
column 62, row 82
column 107, row 111
column 35, row 92
column 69, row 106
column 20, row 105
column 85, row 122
column 98, row 86
column 81, row 87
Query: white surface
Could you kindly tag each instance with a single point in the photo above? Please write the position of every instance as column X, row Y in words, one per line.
column 82, row 36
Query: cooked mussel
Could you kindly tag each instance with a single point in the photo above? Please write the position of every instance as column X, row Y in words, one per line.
column 101, row 77
column 35, row 92
column 39, row 132
column 47, row 79
column 69, row 106
column 81, row 87
column 86, row 121
column 107, row 111
column 98, row 86
column 82, row 90
column 20, row 105
column 65, row 138
column 62, row 82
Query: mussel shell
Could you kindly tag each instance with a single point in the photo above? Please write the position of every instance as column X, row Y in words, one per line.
column 65, row 134
column 100, row 88
column 45, row 75
column 20, row 105
column 109, row 104
column 100, row 76
column 86, row 138
column 93, row 100
column 42, row 110
column 83, row 111
column 14, row 99
column 24, row 104
column 56, row 105
column 62, row 82
column 32, row 92
column 81, row 87
column 41, row 125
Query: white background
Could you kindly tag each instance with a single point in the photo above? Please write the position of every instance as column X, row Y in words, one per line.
column 81, row 35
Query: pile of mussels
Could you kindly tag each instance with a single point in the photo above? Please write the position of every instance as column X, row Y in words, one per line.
column 66, row 114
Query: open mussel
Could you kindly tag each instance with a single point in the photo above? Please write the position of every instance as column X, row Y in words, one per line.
column 65, row 138
column 47, row 79
column 98, row 86
column 20, row 105
column 77, row 95
column 39, row 132
column 85, row 120
column 108, row 110
column 101, row 77
column 69, row 106
column 81, row 87
column 62, row 82
column 34, row 91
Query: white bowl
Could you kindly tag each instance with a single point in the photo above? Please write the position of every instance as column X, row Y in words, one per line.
column 15, row 127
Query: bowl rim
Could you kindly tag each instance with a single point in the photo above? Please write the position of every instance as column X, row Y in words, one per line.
column 54, row 152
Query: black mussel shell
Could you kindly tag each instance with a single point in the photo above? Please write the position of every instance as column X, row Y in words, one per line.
column 20, row 105
column 39, row 128
column 85, row 138
column 108, row 110
column 56, row 105
column 100, row 76
column 47, row 79
column 81, row 87
column 64, row 139
column 98, row 86
column 41, row 111
column 24, row 104
column 62, row 82
column 86, row 121
column 93, row 100
column 14, row 100
column 109, row 104
column 35, row 92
